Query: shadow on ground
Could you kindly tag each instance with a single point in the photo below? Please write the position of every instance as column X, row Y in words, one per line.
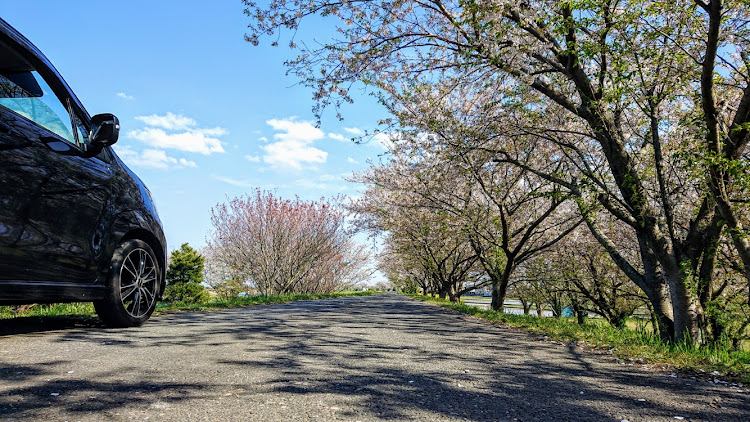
column 28, row 325
column 384, row 357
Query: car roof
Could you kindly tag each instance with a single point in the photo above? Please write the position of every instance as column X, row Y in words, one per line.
column 31, row 53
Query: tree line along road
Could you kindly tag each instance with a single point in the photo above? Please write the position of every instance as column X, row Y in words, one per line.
column 383, row 357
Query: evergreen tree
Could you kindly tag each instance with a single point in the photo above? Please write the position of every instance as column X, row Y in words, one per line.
column 184, row 276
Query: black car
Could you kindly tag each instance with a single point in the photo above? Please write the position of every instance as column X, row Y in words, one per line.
column 76, row 225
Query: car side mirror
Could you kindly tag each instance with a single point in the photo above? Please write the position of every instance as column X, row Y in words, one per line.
column 105, row 129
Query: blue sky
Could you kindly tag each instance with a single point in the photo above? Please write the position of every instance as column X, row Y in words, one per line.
column 204, row 115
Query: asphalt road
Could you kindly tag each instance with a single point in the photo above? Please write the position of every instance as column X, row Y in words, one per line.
column 382, row 357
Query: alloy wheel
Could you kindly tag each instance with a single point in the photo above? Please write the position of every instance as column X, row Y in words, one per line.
column 138, row 282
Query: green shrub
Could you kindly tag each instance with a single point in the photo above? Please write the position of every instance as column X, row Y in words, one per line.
column 186, row 292
column 184, row 276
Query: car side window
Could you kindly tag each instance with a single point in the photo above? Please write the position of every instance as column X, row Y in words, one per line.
column 27, row 94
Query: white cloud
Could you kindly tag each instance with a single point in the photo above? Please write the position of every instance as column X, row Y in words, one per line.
column 187, row 163
column 175, row 131
column 190, row 141
column 253, row 158
column 294, row 146
column 295, row 131
column 169, row 121
column 292, row 154
column 125, row 96
column 263, row 139
column 354, row 131
column 337, row 137
column 151, row 158
column 351, row 160
column 233, row 182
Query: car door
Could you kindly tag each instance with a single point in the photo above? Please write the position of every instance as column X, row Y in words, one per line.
column 51, row 196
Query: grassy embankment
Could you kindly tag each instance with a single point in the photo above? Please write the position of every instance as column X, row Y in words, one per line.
column 87, row 309
column 630, row 345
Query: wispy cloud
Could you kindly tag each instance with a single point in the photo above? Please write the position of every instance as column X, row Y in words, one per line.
column 293, row 144
column 354, row 131
column 320, row 185
column 351, row 160
column 233, row 182
column 329, row 184
column 337, row 137
column 252, row 158
column 151, row 158
column 333, row 177
column 125, row 96
column 384, row 140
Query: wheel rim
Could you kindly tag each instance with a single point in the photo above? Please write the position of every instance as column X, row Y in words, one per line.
column 138, row 283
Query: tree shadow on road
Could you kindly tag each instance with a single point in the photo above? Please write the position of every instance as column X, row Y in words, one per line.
column 322, row 350
column 78, row 396
column 383, row 357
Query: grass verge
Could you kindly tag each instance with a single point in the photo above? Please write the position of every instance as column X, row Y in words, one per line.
column 87, row 309
column 639, row 345
column 238, row 302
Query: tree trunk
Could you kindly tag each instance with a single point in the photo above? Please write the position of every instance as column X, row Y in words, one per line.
column 619, row 319
column 500, row 287
column 526, row 305
column 575, row 304
column 686, row 327
column 657, row 290
column 741, row 244
column 661, row 311
column 650, row 282
column 453, row 294
column 499, row 291
column 557, row 305
column 578, row 310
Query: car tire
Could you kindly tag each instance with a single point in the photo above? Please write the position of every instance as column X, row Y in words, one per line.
column 132, row 287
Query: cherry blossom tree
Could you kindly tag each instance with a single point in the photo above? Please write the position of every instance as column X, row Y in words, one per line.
column 283, row 246
column 509, row 212
column 220, row 279
column 648, row 100
column 579, row 267
column 424, row 234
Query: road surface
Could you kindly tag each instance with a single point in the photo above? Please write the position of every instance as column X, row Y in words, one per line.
column 381, row 357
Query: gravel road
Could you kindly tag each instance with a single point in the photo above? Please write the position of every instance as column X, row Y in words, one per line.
column 381, row 357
